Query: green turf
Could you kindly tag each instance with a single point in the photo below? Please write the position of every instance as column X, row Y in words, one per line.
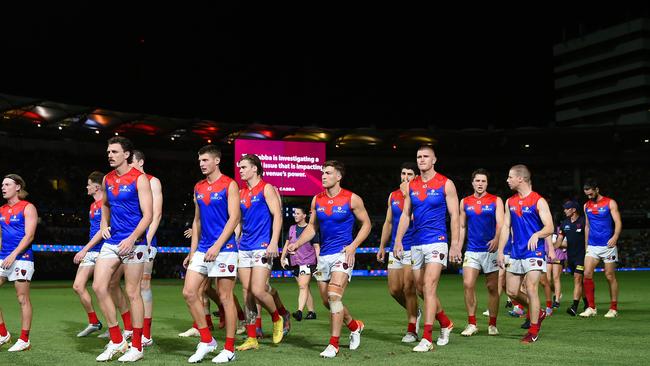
column 58, row 316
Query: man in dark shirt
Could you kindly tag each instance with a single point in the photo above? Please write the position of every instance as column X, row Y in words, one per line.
column 573, row 229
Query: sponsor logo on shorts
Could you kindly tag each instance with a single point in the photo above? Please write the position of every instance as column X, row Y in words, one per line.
column 222, row 265
column 435, row 253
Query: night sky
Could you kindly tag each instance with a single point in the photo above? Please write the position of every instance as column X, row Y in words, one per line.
column 338, row 66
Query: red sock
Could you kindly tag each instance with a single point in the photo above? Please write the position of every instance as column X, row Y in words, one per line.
column 614, row 305
column 92, row 318
column 334, row 341
column 353, row 325
column 493, row 320
column 24, row 335
column 282, row 311
column 427, row 332
column 136, row 339
column 442, row 318
column 274, row 317
column 146, row 330
column 549, row 303
column 258, row 322
column 230, row 344
column 411, row 328
column 534, row 329
column 126, row 318
column 470, row 319
column 208, row 319
column 250, row 330
column 195, row 326
column 589, row 291
column 3, row 330
column 116, row 334
column 240, row 314
column 206, row 336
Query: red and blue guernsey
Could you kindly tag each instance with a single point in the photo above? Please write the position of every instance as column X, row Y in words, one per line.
column 12, row 222
column 122, row 196
column 336, row 221
column 212, row 199
column 95, row 217
column 601, row 224
column 256, row 218
column 154, row 241
column 429, row 209
column 397, row 207
column 525, row 221
column 481, row 221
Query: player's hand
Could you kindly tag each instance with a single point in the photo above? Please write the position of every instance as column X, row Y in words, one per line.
column 501, row 260
column 284, row 262
column 187, row 233
column 493, row 245
column 211, row 254
column 381, row 253
column 533, row 241
column 8, row 261
column 611, row 243
column 79, row 256
column 186, row 261
column 398, row 250
column 349, row 255
column 291, row 248
column 455, row 255
column 125, row 247
column 106, row 232
column 551, row 256
column 272, row 251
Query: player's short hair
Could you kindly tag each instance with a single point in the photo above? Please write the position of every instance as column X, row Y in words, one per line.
column 22, row 193
column 138, row 154
column 410, row 166
column 210, row 149
column 427, row 147
column 482, row 172
column 301, row 208
column 522, row 171
column 337, row 165
column 255, row 160
column 590, row 183
column 96, row 177
column 126, row 144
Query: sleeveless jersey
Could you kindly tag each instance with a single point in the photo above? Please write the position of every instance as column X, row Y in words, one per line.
column 212, row 200
column 481, row 221
column 601, row 224
column 257, row 221
column 336, row 221
column 525, row 221
column 12, row 222
column 122, row 196
column 429, row 209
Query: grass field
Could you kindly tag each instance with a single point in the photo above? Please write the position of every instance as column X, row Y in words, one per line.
column 58, row 316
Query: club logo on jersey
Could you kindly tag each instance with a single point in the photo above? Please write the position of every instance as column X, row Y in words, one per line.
column 231, row 268
column 329, row 202
column 209, row 188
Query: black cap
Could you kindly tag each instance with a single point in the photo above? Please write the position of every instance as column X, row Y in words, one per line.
column 570, row 204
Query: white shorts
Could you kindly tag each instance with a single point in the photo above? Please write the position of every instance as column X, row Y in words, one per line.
column 254, row 258
column 304, row 269
column 523, row 266
column 607, row 254
column 483, row 261
column 429, row 253
column 332, row 263
column 89, row 259
column 20, row 270
column 394, row 263
column 152, row 253
column 137, row 256
column 224, row 266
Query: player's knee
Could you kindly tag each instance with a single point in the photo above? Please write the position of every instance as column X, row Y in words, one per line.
column 100, row 289
column 334, row 296
column 492, row 287
column 23, row 299
column 468, row 284
column 259, row 292
column 395, row 290
column 611, row 276
column 78, row 288
column 190, row 295
column 226, row 298
column 512, row 292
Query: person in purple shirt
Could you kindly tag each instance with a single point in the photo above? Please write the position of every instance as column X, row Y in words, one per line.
column 304, row 263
